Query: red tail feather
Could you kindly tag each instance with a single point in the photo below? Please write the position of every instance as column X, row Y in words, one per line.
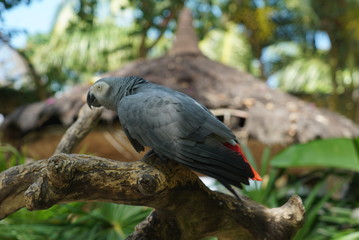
column 238, row 149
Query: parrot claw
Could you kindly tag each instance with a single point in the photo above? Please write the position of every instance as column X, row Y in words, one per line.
column 152, row 153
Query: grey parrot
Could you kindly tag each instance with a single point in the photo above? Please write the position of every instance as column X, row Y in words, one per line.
column 175, row 126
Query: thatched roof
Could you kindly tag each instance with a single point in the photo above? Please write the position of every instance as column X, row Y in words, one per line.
column 273, row 116
column 269, row 115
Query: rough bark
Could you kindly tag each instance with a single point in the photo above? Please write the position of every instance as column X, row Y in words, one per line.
column 184, row 208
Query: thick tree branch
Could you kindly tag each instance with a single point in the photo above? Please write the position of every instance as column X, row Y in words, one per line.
column 184, row 207
column 14, row 182
column 183, row 204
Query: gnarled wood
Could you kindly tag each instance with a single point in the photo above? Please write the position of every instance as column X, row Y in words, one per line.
column 184, row 207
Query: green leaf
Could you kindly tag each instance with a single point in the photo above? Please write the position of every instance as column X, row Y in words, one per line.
column 100, row 221
column 335, row 153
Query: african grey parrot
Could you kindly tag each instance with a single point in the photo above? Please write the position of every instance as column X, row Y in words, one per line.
column 175, row 126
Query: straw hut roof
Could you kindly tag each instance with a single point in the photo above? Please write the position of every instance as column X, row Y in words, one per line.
column 271, row 116
column 241, row 100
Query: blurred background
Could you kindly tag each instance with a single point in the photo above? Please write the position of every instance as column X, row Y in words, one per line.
column 283, row 74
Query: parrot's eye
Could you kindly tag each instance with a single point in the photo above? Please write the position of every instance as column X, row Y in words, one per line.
column 99, row 87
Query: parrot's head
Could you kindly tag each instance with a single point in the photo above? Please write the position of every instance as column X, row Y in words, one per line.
column 107, row 92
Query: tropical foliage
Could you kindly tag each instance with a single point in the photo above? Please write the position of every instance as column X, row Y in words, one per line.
column 85, row 221
column 230, row 47
column 329, row 194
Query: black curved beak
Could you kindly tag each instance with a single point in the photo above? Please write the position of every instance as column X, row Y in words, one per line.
column 92, row 101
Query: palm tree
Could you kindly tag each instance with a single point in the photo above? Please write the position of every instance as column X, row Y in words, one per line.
column 295, row 70
column 229, row 46
column 340, row 22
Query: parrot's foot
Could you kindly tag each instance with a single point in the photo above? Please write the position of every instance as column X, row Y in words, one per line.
column 152, row 153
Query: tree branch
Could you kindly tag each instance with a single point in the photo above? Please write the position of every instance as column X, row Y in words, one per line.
column 86, row 120
column 183, row 204
column 184, row 207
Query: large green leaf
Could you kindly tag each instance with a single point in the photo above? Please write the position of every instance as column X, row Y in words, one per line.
column 335, row 153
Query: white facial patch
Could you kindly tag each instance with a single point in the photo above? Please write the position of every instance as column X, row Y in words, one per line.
column 100, row 89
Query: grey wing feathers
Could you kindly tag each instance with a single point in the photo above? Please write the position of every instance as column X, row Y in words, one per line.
column 153, row 120
column 177, row 127
column 215, row 160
